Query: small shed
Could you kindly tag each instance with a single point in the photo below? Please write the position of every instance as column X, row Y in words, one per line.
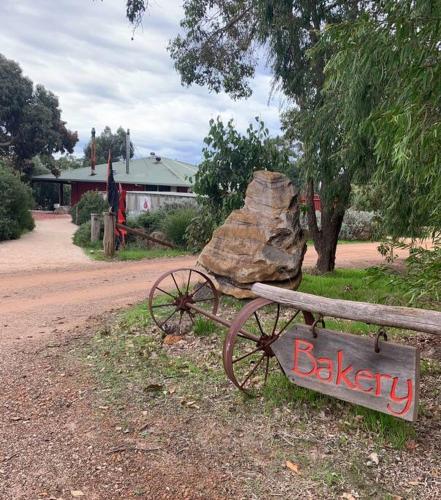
column 153, row 173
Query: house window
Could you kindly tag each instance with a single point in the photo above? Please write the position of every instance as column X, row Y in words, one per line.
column 164, row 188
column 151, row 187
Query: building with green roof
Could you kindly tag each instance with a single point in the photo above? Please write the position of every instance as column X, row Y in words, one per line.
column 153, row 173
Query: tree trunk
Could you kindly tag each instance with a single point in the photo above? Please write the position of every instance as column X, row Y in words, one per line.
column 326, row 237
column 327, row 249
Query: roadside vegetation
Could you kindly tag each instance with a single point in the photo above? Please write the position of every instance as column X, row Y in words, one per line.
column 285, row 431
column 15, row 205
column 168, row 224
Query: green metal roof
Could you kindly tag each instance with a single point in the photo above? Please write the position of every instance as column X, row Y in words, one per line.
column 165, row 172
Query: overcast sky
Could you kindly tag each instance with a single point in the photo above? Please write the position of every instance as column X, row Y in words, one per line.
column 83, row 52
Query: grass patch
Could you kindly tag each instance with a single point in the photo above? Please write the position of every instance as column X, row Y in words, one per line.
column 204, row 327
column 280, row 391
column 352, row 284
column 134, row 253
column 386, row 429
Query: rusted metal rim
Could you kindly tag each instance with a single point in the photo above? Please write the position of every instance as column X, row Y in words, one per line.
column 180, row 299
column 262, row 344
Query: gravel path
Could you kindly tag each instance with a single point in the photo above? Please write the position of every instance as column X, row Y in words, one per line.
column 48, row 246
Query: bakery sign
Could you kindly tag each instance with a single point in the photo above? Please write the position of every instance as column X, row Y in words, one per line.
column 349, row 368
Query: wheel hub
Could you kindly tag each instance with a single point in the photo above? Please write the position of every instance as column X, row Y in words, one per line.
column 182, row 302
column 265, row 342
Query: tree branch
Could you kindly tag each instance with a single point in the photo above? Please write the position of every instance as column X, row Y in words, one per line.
column 312, row 218
column 229, row 25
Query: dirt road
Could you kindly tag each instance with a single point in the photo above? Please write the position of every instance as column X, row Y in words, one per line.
column 48, row 285
column 61, row 438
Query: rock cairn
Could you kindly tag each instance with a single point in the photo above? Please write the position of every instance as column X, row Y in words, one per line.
column 261, row 242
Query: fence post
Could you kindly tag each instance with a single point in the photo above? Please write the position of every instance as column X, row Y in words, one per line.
column 109, row 234
column 95, row 227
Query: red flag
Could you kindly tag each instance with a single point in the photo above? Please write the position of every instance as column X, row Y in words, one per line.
column 121, row 218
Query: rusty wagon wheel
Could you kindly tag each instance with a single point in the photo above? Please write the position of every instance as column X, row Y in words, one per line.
column 172, row 294
column 247, row 354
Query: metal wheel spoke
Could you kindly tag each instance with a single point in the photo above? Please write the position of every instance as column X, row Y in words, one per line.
column 203, row 300
column 171, row 315
column 190, row 315
column 163, row 291
column 179, row 290
column 252, row 371
column 277, row 319
column 266, row 369
column 188, row 283
column 280, row 366
column 197, row 289
column 259, row 325
column 289, row 322
column 163, row 305
column 246, row 355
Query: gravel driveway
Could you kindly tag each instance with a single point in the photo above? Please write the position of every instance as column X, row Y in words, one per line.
column 48, row 285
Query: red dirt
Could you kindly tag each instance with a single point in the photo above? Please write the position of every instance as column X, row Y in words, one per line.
column 54, row 439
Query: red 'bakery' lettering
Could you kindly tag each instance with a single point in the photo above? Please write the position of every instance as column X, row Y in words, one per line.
column 341, row 373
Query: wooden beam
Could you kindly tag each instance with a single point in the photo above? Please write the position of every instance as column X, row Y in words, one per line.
column 420, row 320
column 143, row 234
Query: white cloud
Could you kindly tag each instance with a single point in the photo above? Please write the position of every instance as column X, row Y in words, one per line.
column 83, row 52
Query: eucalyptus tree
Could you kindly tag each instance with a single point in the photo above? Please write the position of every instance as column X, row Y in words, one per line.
column 30, row 119
column 109, row 141
column 386, row 70
column 220, row 47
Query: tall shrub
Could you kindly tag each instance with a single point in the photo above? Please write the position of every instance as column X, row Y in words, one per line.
column 16, row 202
column 175, row 225
column 91, row 202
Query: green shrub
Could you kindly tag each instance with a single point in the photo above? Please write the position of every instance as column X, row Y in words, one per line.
column 91, row 202
column 358, row 225
column 82, row 235
column 149, row 221
column 15, row 204
column 175, row 224
column 200, row 231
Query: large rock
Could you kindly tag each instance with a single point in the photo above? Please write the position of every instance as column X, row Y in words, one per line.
column 261, row 242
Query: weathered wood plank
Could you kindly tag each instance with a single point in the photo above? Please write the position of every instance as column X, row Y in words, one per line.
column 140, row 232
column 109, row 234
column 347, row 367
column 421, row 320
column 95, row 227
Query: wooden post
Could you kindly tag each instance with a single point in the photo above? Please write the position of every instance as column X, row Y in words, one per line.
column 61, row 194
column 109, row 234
column 95, row 227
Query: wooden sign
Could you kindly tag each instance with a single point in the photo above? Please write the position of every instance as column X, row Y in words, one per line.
column 347, row 367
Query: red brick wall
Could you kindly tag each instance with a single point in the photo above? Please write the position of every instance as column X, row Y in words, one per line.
column 79, row 188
